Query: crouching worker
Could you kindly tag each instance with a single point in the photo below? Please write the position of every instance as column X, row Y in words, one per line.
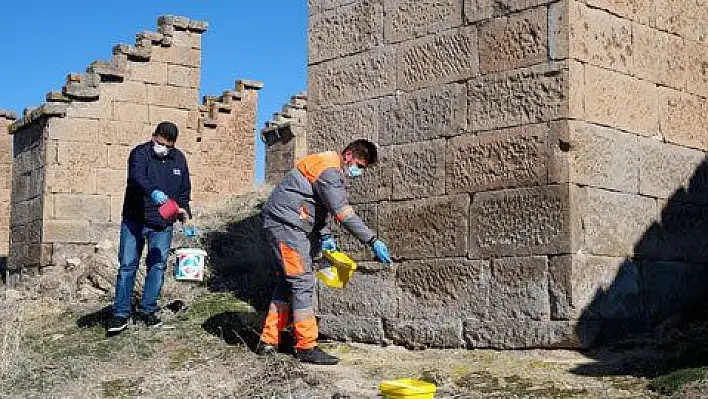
column 156, row 172
column 296, row 216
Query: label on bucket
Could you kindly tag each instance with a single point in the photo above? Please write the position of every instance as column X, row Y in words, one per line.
column 189, row 264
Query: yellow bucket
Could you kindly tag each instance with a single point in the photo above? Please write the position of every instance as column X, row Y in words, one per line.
column 407, row 388
column 340, row 270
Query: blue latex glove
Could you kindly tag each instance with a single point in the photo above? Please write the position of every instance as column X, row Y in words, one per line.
column 381, row 251
column 328, row 243
column 159, row 197
column 189, row 231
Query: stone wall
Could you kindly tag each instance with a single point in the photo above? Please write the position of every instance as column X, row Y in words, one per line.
column 285, row 138
column 70, row 154
column 542, row 163
column 6, row 117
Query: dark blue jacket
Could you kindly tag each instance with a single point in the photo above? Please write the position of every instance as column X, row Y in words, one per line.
column 148, row 172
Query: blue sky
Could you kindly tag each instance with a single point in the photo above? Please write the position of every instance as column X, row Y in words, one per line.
column 264, row 40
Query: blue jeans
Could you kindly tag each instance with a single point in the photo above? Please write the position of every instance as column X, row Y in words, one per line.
column 132, row 240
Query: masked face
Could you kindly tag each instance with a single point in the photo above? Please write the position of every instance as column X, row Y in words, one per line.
column 354, row 170
column 161, row 150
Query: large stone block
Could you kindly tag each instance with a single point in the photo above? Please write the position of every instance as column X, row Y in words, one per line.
column 183, row 76
column 592, row 155
column 516, row 41
column 74, row 231
column 74, row 180
column 477, row 10
column 174, row 97
column 317, row 6
column 527, row 221
column 70, row 129
column 346, row 30
column 428, row 228
column 77, row 154
column 519, row 97
column 332, row 129
column 116, row 208
column 367, row 295
column 408, row 19
column 422, row 333
column 130, row 112
column 600, row 38
column 659, row 57
column 605, row 89
column 423, row 115
column 89, row 110
column 434, row 60
column 518, row 288
column 502, row 158
column 148, row 72
column 129, row 91
column 413, row 170
column 160, row 114
column 665, row 169
column 453, row 288
column 124, row 133
column 669, row 288
column 614, row 223
column 680, row 235
column 641, row 11
column 75, row 207
column 697, row 65
column 594, row 288
column 694, row 15
column 177, row 55
column 516, row 334
column 683, row 118
column 352, row 328
column 363, row 76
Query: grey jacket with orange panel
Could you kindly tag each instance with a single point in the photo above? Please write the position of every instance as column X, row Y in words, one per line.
column 309, row 193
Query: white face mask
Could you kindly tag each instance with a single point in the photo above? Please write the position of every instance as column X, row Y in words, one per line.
column 160, row 150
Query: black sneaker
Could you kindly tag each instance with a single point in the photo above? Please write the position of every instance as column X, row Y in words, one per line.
column 149, row 319
column 315, row 356
column 263, row 349
column 116, row 324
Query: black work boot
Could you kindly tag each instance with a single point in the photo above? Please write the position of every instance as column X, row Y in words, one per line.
column 116, row 324
column 264, row 349
column 315, row 356
column 148, row 319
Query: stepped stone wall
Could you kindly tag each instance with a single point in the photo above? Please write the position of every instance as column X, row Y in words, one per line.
column 285, row 138
column 6, row 117
column 542, row 178
column 70, row 154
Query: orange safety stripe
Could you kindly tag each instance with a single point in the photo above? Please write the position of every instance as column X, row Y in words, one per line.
column 344, row 213
column 305, row 328
column 276, row 320
column 313, row 165
column 292, row 262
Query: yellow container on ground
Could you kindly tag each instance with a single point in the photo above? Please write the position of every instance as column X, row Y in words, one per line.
column 340, row 270
column 407, row 388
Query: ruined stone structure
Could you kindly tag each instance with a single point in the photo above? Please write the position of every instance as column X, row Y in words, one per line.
column 6, row 117
column 70, row 154
column 285, row 138
column 542, row 181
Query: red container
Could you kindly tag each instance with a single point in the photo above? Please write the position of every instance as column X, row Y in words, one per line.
column 169, row 209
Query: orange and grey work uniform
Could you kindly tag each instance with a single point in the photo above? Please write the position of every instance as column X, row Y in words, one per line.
column 295, row 214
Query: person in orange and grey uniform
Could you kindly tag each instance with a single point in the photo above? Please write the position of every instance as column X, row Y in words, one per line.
column 296, row 216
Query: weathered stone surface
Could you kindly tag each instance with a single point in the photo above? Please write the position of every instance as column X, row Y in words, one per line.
column 524, row 96
column 514, row 334
column 597, row 156
column 659, row 57
column 352, row 328
column 684, row 18
column 413, row 170
column 697, row 65
column 81, row 153
column 172, row 96
column 559, row 30
column 70, row 129
column 88, row 110
column 422, row 333
column 367, row 295
column 130, row 112
column 317, row 6
column 350, row 244
column 92, row 207
column 153, row 72
column 670, row 287
column 334, row 128
column 601, row 101
column 665, row 168
column 346, row 30
column 133, row 92
column 683, row 118
column 449, row 289
column 74, row 180
column 512, row 42
column 528, row 221
column 177, row 55
column 183, row 76
column 594, row 287
column 423, row 115
column 680, row 234
column 518, row 288
column 360, row 77
column 65, row 231
column 407, row 19
column 600, row 38
column 613, row 223
column 430, row 61
column 637, row 10
column 429, row 228
column 177, row 116
column 502, row 158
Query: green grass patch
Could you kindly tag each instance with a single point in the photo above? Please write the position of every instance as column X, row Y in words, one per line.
column 670, row 383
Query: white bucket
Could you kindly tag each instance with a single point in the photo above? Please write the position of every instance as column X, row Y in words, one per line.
column 189, row 264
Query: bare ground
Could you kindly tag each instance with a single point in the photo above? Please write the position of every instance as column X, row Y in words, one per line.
column 58, row 349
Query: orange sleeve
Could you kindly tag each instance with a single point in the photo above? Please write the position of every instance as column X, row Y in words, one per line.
column 313, row 165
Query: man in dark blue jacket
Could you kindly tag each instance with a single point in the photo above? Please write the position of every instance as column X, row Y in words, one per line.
column 156, row 172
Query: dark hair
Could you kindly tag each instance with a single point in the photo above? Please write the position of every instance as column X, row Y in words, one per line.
column 167, row 130
column 363, row 149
